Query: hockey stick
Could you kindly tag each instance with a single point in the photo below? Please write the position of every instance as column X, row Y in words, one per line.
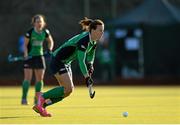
column 12, row 58
column 91, row 91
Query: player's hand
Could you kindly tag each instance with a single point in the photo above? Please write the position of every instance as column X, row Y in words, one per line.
column 48, row 53
column 90, row 69
column 25, row 58
column 89, row 81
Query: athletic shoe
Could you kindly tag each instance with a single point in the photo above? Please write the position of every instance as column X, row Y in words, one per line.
column 41, row 111
column 39, row 106
column 40, row 99
column 24, row 102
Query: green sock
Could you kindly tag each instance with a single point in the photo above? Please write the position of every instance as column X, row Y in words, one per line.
column 25, row 88
column 54, row 93
column 39, row 86
column 52, row 101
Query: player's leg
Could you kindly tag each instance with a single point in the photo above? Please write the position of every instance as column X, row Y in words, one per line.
column 25, row 85
column 39, row 70
column 65, row 81
column 39, row 74
column 56, row 94
column 65, row 89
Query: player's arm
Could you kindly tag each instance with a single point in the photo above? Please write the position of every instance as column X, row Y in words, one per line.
column 81, row 54
column 91, row 55
column 90, row 59
column 81, row 59
column 26, row 42
column 49, row 39
column 82, row 46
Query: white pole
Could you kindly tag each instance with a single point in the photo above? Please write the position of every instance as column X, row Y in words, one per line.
column 87, row 8
column 114, row 8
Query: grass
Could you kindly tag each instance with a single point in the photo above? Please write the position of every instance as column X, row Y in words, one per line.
column 146, row 105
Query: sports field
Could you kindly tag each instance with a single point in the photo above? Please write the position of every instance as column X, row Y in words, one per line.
column 145, row 105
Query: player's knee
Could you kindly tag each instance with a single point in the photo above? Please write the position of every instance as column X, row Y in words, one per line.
column 68, row 91
column 28, row 80
column 39, row 79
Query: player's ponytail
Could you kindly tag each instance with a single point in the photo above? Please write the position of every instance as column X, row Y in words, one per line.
column 85, row 23
column 89, row 24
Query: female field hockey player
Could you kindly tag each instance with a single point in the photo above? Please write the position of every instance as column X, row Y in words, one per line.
column 33, row 47
column 81, row 47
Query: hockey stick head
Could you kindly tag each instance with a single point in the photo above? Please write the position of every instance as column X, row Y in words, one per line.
column 15, row 58
column 9, row 58
column 92, row 95
column 91, row 92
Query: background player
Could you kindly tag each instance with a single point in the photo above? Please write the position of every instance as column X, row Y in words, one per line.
column 33, row 47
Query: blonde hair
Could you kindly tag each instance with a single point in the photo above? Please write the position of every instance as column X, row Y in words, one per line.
column 89, row 24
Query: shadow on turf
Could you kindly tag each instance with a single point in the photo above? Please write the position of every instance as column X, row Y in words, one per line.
column 15, row 117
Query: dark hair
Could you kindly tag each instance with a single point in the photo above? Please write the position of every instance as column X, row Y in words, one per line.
column 89, row 24
column 37, row 16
